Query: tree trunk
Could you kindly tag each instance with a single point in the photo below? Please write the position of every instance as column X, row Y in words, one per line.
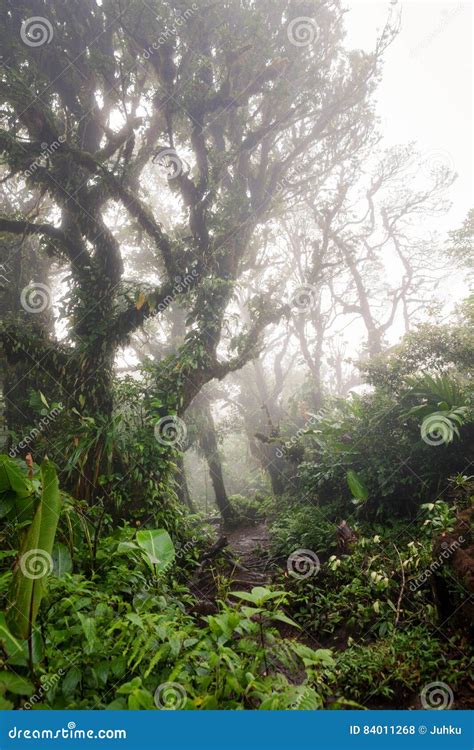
column 93, row 394
column 20, row 266
column 183, row 488
column 208, row 443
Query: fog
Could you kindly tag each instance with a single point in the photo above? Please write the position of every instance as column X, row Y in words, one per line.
column 236, row 323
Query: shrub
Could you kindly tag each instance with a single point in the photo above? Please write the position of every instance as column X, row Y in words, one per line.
column 249, row 510
column 305, row 527
column 392, row 667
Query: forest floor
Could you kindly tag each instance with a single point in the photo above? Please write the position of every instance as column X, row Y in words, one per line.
column 243, row 560
column 250, row 546
column 240, row 563
column 249, row 553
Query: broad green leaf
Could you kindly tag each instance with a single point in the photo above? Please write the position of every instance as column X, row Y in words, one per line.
column 283, row 618
column 12, row 646
column 136, row 619
column 102, row 671
column 119, row 704
column 12, row 478
column 71, row 680
column 6, row 505
column 129, row 687
column 245, row 595
column 259, row 595
column 158, row 547
column 88, row 626
column 35, row 561
column 126, row 546
column 356, row 486
column 15, row 684
column 62, row 562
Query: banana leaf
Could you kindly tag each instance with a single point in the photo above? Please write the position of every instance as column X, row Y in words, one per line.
column 359, row 491
column 17, row 499
column 158, row 548
column 34, row 562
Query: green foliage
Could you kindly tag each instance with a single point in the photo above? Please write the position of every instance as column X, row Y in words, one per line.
column 437, row 390
column 357, row 594
column 118, row 639
column 156, row 548
column 357, row 487
column 302, row 527
column 460, row 243
column 248, row 510
column 17, row 491
column 129, row 647
column 399, row 665
column 117, row 622
column 441, row 516
column 33, row 567
column 260, row 597
column 434, row 349
column 386, row 443
column 444, row 408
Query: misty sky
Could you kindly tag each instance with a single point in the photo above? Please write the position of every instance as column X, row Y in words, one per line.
column 425, row 92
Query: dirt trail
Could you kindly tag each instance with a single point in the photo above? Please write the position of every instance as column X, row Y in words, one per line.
column 243, row 563
column 249, row 547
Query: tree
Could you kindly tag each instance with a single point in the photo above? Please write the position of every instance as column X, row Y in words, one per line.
column 375, row 218
column 460, row 242
column 20, row 263
column 209, row 446
column 212, row 101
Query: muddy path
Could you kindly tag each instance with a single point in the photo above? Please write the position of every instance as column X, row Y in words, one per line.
column 240, row 563
column 250, row 546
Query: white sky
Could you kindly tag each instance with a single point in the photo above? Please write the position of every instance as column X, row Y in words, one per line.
column 425, row 94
